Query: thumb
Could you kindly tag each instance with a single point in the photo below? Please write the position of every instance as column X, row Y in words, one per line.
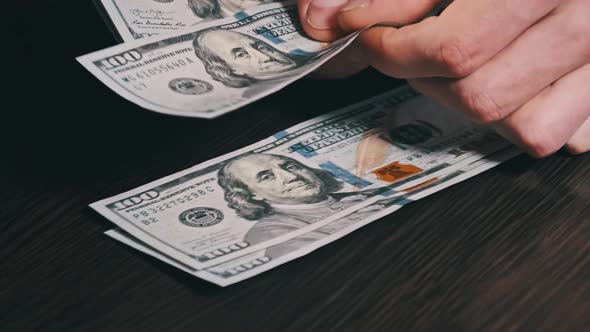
column 358, row 14
column 319, row 18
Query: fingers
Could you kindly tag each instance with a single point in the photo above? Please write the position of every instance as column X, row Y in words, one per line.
column 548, row 51
column 350, row 61
column 319, row 18
column 552, row 118
column 580, row 142
column 520, row 66
column 549, row 120
column 358, row 14
column 466, row 35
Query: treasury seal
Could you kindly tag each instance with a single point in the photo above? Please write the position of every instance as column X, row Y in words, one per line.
column 201, row 217
column 190, row 86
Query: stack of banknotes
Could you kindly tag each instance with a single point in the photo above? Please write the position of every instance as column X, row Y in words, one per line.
column 248, row 211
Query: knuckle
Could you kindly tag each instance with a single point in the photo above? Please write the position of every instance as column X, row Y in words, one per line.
column 536, row 141
column 577, row 148
column 578, row 28
column 579, row 144
column 385, row 46
column 456, row 56
column 381, row 54
column 581, row 39
column 479, row 104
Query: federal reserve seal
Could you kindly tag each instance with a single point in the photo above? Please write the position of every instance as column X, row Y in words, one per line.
column 201, row 217
column 190, row 86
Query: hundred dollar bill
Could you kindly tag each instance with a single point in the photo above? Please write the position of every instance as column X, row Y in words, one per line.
column 299, row 179
column 215, row 67
column 249, row 265
column 135, row 19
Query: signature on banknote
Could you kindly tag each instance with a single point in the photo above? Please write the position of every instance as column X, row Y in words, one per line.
column 151, row 14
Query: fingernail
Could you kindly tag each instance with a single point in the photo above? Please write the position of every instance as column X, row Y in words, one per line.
column 355, row 4
column 322, row 13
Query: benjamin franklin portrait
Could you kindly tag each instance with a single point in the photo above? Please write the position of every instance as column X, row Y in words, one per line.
column 238, row 60
column 280, row 195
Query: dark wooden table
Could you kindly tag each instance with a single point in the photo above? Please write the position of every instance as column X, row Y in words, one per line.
column 508, row 250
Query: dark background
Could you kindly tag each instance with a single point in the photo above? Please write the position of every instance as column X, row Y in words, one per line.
column 506, row 250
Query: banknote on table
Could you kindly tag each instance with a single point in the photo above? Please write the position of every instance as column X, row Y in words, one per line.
column 300, row 179
column 215, row 67
column 250, row 265
column 135, row 19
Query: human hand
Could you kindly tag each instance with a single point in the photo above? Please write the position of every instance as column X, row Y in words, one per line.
column 523, row 67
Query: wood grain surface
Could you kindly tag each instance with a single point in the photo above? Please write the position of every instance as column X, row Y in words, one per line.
column 508, row 250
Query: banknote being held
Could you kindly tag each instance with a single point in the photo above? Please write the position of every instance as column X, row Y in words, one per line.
column 238, row 60
column 208, row 9
column 214, row 67
column 135, row 19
